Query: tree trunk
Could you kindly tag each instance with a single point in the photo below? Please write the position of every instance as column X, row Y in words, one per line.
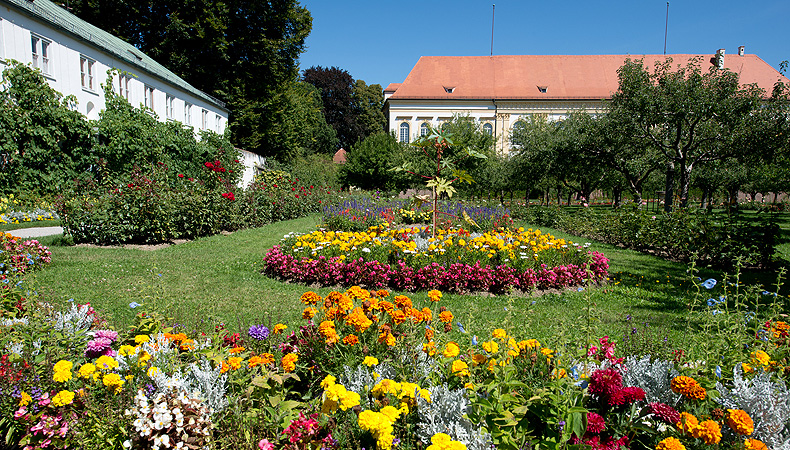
column 685, row 182
column 617, row 196
column 669, row 192
column 559, row 195
column 704, row 202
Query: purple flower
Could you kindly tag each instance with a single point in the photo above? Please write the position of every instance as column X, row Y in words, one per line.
column 258, row 332
column 97, row 347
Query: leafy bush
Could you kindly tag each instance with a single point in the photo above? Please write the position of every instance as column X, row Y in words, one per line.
column 714, row 239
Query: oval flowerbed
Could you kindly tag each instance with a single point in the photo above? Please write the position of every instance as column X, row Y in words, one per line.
column 457, row 261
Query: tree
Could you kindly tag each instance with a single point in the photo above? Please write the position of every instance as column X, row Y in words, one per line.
column 44, row 141
column 686, row 115
column 239, row 51
column 368, row 163
column 351, row 107
column 296, row 123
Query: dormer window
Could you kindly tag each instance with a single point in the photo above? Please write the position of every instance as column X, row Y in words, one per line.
column 449, row 90
column 543, row 89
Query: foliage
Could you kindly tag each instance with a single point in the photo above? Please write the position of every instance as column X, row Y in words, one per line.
column 242, row 52
column 713, row 239
column 44, row 141
column 368, row 163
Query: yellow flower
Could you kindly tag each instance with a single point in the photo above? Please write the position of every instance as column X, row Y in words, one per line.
column 235, row 362
column 547, row 352
column 141, row 339
column 126, row 350
column 24, row 399
column 63, row 398
column 86, row 370
column 279, row 328
column 434, row 295
column 451, row 350
column 370, row 361
column 105, row 362
column 113, row 381
column 760, row 358
column 62, row 371
column 688, row 423
column 490, row 347
column 460, row 368
column 709, row 431
column 754, row 444
column 153, row 372
column 392, row 413
column 499, row 333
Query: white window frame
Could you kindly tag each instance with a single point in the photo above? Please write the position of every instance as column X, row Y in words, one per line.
column 488, row 129
column 187, row 113
column 424, row 129
column 217, row 122
column 149, row 97
column 123, row 86
column 41, row 53
column 204, row 120
column 404, row 132
column 169, row 110
column 87, row 73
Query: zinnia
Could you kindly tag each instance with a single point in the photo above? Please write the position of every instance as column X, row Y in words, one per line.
column 595, row 423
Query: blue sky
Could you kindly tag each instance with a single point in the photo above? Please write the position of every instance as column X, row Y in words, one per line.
column 380, row 42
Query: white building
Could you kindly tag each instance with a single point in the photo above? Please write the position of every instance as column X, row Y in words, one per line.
column 499, row 91
column 74, row 56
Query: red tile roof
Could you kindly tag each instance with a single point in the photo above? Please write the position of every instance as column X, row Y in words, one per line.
column 340, row 157
column 392, row 87
column 562, row 76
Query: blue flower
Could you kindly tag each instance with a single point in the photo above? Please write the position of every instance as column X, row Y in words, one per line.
column 718, row 371
column 580, row 289
column 461, row 327
column 715, row 311
column 710, row 283
column 134, row 305
column 474, row 340
column 533, row 302
column 712, row 301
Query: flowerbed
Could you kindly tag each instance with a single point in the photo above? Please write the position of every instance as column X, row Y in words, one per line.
column 454, row 261
column 369, row 369
column 20, row 256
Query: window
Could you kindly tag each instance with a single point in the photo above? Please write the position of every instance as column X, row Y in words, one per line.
column 41, row 53
column 404, row 132
column 169, row 111
column 424, row 129
column 187, row 114
column 217, row 122
column 86, row 72
column 123, row 86
column 204, row 120
column 488, row 129
column 149, row 97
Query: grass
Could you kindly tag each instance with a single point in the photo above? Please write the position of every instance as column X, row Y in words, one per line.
column 217, row 280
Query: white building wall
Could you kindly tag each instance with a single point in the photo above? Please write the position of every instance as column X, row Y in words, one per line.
column 64, row 75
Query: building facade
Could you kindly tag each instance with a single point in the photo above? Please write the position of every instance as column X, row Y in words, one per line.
column 499, row 91
column 75, row 56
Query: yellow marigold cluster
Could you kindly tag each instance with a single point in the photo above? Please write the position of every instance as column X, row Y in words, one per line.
column 113, row 381
column 490, row 347
column 357, row 292
column 709, row 431
column 451, row 350
column 460, row 368
column 279, row 328
column 670, row 443
column 379, row 424
column 688, row 387
column 760, row 359
column 289, row 362
column 24, row 399
column 370, row 361
column 87, row 370
column 434, row 295
column 62, row 371
column 441, row 441
column 337, row 396
column 63, row 398
column 740, row 422
column 106, row 363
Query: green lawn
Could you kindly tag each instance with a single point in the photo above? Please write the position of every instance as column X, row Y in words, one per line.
column 217, row 279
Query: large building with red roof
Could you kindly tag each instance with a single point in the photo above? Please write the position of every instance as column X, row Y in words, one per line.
column 498, row 91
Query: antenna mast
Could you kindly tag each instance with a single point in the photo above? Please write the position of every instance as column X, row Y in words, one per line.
column 666, row 27
column 493, row 10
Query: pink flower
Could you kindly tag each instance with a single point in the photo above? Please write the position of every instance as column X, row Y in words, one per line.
column 264, row 444
column 595, row 423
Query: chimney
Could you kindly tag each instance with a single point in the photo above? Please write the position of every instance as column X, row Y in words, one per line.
column 741, row 50
column 720, row 58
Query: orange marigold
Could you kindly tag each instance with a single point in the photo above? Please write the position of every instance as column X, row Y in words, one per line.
column 358, row 292
column 267, row 358
column 386, row 306
column 234, row 362
column 740, row 422
column 687, row 387
column 709, row 431
column 309, row 313
column 279, row 328
column 687, row 423
column 382, row 293
column 434, row 295
column 289, row 362
column 255, row 361
column 351, row 340
column 697, row 393
column 427, row 314
column 236, row 350
column 387, row 338
column 429, row 333
column 670, row 443
column 401, row 301
column 754, row 444
column 398, row 316
column 310, row 298
column 446, row 316
column 358, row 320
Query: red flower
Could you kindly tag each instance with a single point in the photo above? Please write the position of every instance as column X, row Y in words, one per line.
column 595, row 423
column 209, row 165
column 180, row 175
